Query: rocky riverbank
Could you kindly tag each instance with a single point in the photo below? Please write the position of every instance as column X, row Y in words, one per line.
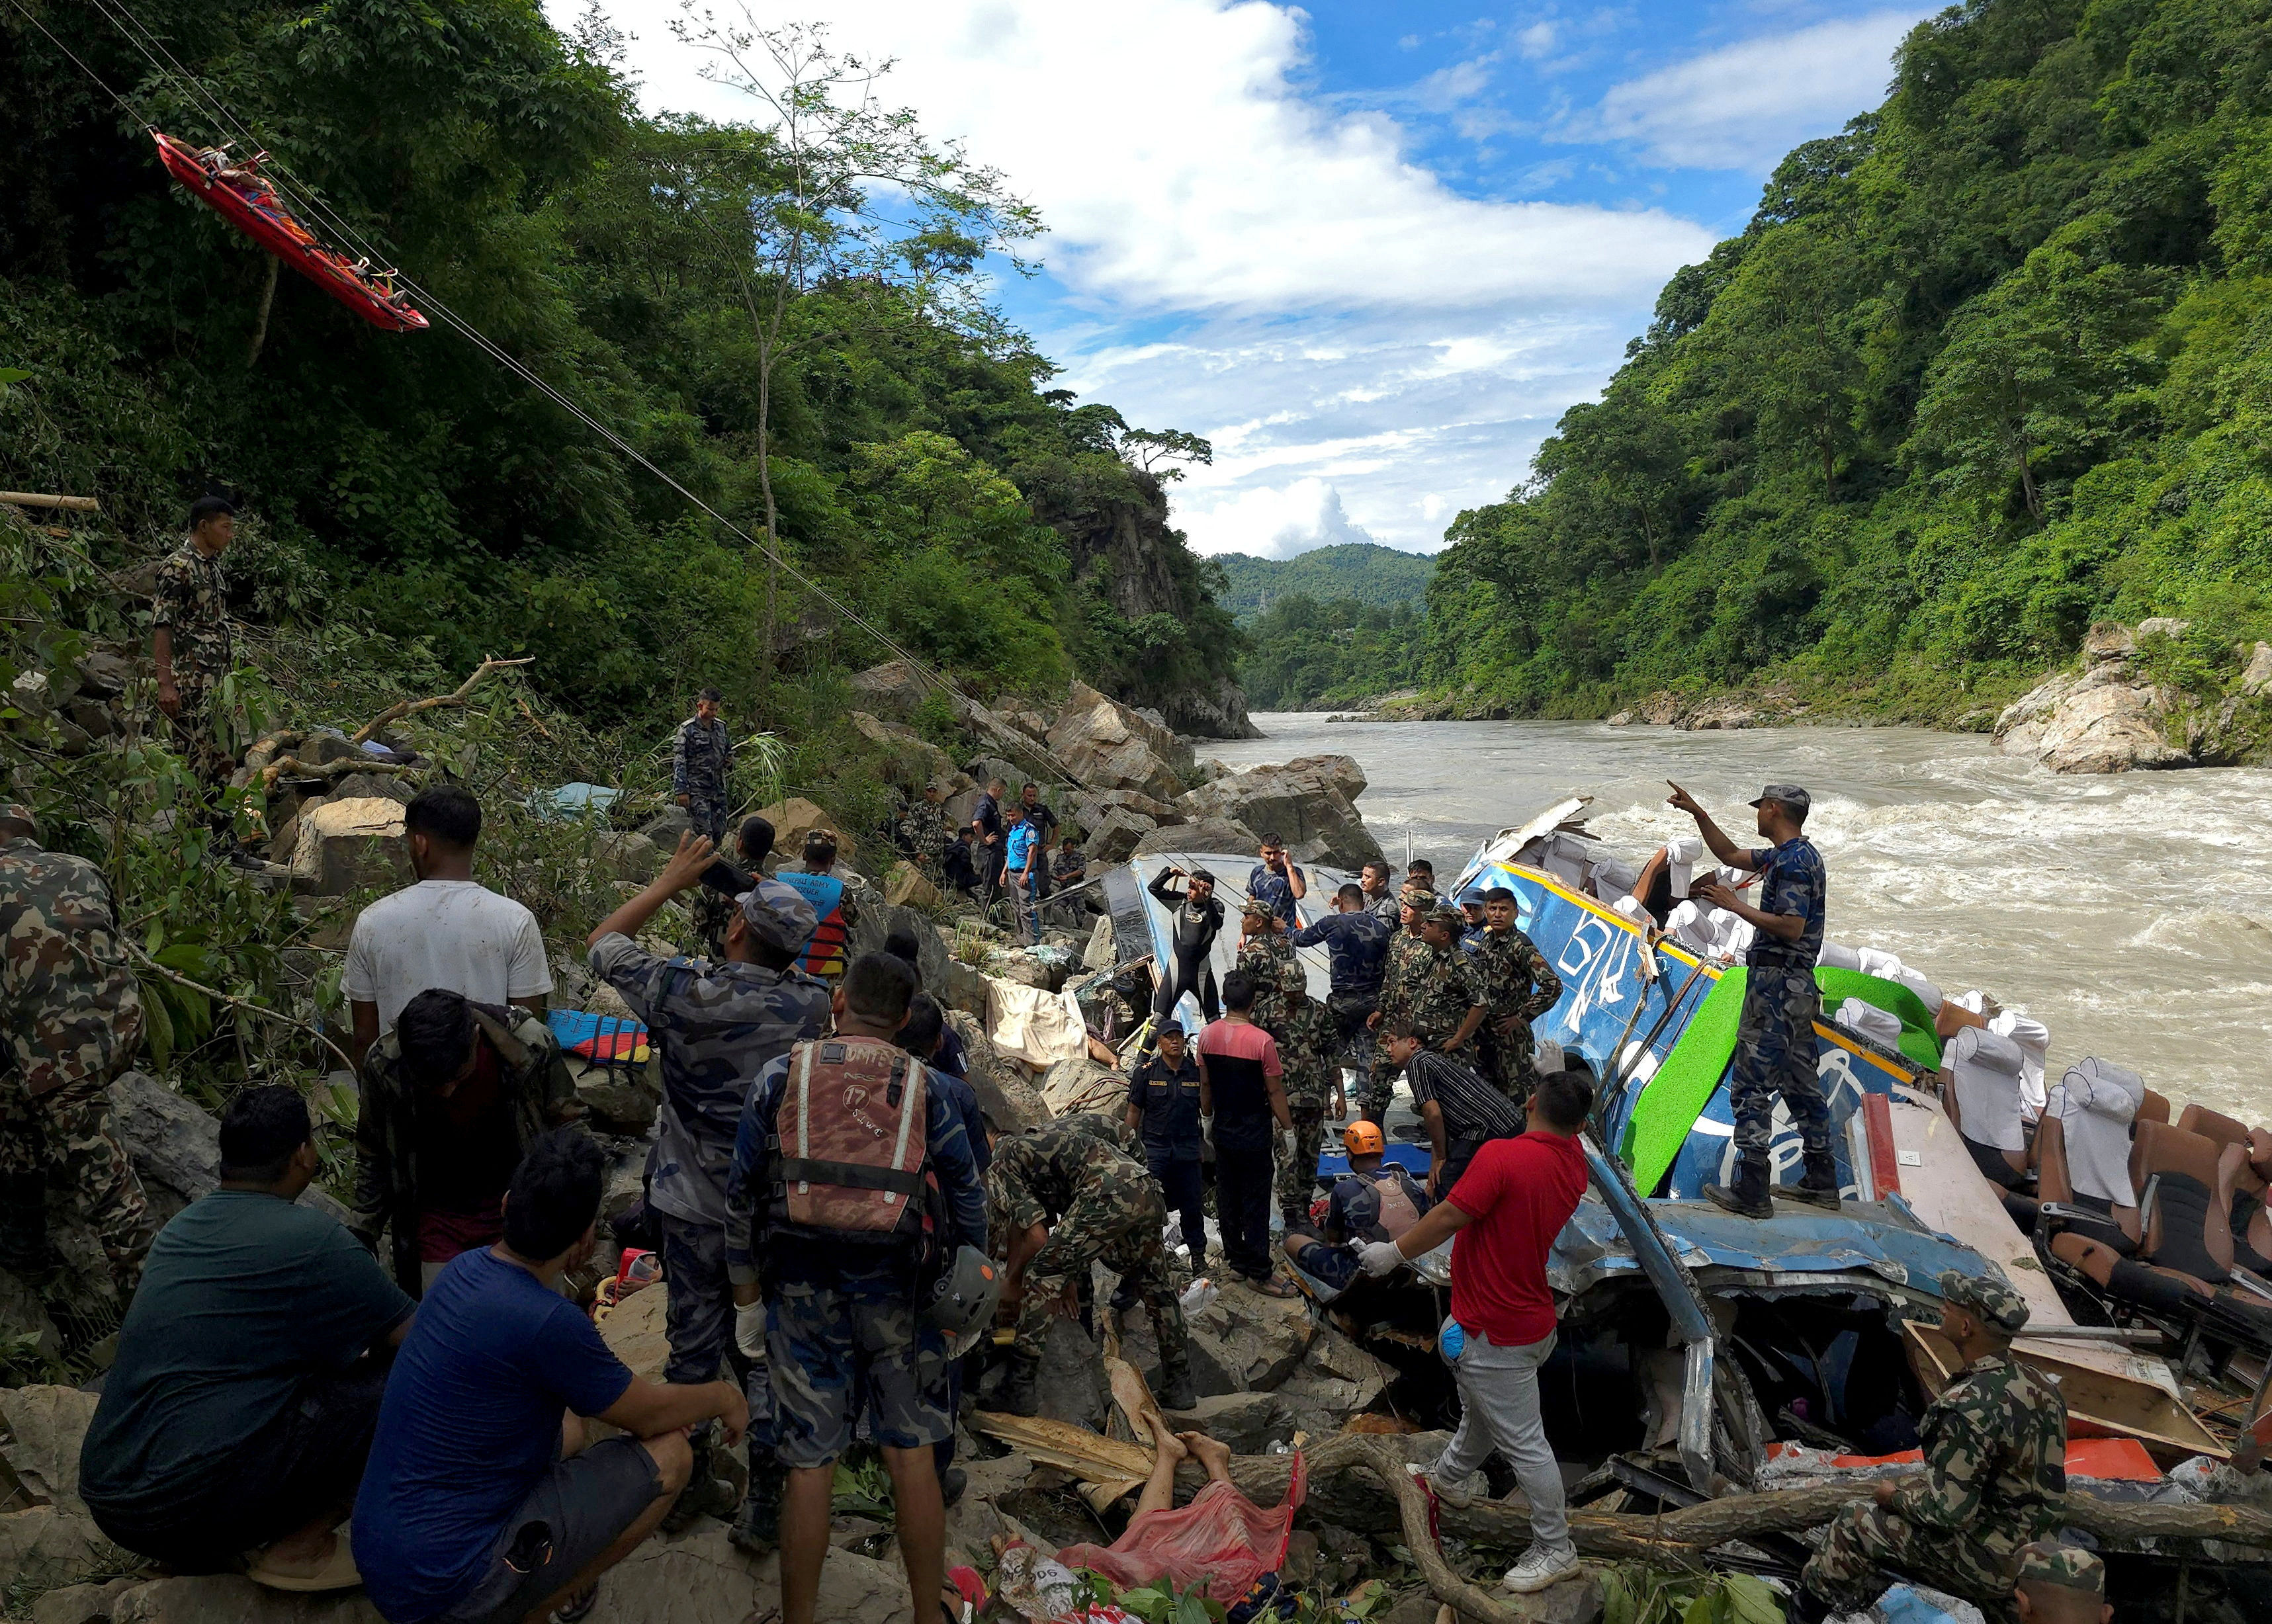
column 2162, row 694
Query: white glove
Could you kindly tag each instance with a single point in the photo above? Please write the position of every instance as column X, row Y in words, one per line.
column 1380, row 1258
column 750, row 1330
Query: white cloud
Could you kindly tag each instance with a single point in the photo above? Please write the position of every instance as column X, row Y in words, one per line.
column 1180, row 167
column 1276, row 521
column 1743, row 105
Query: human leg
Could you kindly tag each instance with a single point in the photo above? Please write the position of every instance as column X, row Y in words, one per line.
column 1141, row 1258
column 1799, row 1001
column 1298, row 1166
column 99, row 1178
column 1242, row 1191
column 1185, row 1194
column 1167, row 1452
column 1752, row 1083
column 699, row 1316
column 1844, row 1573
column 812, row 1361
column 919, row 1520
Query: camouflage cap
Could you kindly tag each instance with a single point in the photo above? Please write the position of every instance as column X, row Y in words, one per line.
column 2068, row 1565
column 1254, row 907
column 778, row 916
column 1446, row 914
column 1998, row 1305
column 1293, row 978
column 17, row 812
column 1416, row 896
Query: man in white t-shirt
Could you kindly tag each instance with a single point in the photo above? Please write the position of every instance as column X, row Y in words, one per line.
column 444, row 932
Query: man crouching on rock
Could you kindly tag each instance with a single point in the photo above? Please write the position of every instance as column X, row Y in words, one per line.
column 824, row 1230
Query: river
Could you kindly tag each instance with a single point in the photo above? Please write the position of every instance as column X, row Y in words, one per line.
column 2132, row 915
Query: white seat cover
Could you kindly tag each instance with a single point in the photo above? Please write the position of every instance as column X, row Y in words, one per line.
column 1838, row 956
column 2035, row 1040
column 1986, row 1068
column 2096, row 1103
column 1881, row 1027
column 1682, row 853
column 1690, row 925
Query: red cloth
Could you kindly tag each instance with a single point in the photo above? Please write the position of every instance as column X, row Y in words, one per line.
column 443, row 1236
column 1519, row 1193
column 1222, row 1539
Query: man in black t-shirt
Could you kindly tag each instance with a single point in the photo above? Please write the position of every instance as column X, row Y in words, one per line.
column 1163, row 1104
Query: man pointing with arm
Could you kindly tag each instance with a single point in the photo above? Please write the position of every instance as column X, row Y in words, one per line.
column 1774, row 1036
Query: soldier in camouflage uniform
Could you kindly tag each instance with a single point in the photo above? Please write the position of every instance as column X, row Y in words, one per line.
column 702, row 766
column 1308, row 1049
column 1519, row 986
column 1408, row 950
column 191, row 645
column 1067, row 1196
column 2061, row 1584
column 1995, row 1462
column 922, row 834
column 1263, row 954
column 70, row 1015
column 715, row 1027
column 1440, row 993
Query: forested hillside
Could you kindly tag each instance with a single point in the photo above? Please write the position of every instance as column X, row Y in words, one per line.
column 1364, row 573
column 1993, row 363
column 1305, row 655
column 726, row 299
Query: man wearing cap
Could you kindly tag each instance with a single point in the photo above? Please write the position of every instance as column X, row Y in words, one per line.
column 1309, row 1053
column 1519, row 986
column 2061, row 1584
column 1995, row 1463
column 1264, row 954
column 69, row 1017
column 191, row 645
column 1408, row 950
column 702, row 766
column 1163, row 1107
column 715, row 1027
column 1441, row 995
column 1774, row 1035
column 1375, row 1199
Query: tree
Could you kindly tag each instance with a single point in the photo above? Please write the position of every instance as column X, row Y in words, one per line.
column 832, row 145
column 1148, row 449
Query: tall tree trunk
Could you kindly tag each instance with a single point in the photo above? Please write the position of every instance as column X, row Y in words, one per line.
column 260, row 321
column 2034, row 497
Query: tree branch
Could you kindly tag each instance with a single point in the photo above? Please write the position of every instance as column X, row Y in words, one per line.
column 179, row 980
column 401, row 708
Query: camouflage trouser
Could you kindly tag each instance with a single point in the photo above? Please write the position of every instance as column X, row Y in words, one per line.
column 68, row 1131
column 1297, row 1168
column 195, row 738
column 700, row 1311
column 1865, row 1537
column 1510, row 1063
column 834, row 1357
column 711, row 913
column 1117, row 1219
column 1350, row 1012
column 1774, row 1051
column 708, row 818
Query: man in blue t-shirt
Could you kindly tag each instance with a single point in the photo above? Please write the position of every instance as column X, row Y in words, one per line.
column 480, row 1503
column 240, row 1406
column 1025, row 861
column 1775, row 1035
column 1278, row 881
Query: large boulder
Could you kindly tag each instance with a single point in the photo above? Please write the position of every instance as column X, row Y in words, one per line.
column 175, row 1145
column 1246, row 1342
column 912, row 759
column 1005, row 1090
column 45, row 1426
column 1107, row 746
column 1310, row 802
column 1208, row 834
column 2106, row 718
column 350, row 843
column 906, row 886
column 797, row 817
column 1115, row 835
column 893, row 689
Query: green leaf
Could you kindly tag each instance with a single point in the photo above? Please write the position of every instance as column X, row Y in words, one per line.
column 157, row 1025
column 1750, row 1600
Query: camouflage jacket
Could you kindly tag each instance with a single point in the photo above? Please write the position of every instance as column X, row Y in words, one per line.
column 922, row 834
column 1995, row 1457
column 715, row 1027
column 1437, row 992
column 533, row 1077
column 1405, row 953
column 1517, row 979
column 1036, row 1176
column 1263, row 958
column 701, row 760
column 1308, row 1049
column 191, row 600
column 68, row 1005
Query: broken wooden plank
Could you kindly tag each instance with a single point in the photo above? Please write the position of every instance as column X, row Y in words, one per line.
column 39, row 499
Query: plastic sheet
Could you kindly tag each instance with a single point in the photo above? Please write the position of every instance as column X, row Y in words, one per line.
column 1221, row 1540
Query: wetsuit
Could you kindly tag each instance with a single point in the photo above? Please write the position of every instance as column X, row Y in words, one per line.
column 1191, row 939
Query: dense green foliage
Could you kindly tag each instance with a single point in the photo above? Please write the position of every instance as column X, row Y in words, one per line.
column 1360, row 570
column 1305, row 655
column 1994, row 362
column 410, row 488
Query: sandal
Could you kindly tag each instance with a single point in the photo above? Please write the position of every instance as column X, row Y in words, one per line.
column 337, row 1573
column 579, row 1605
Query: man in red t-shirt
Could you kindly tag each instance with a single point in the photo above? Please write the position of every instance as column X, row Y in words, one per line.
column 1506, row 1210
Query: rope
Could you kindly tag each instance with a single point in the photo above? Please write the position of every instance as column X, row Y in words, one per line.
column 100, row 84
column 305, row 199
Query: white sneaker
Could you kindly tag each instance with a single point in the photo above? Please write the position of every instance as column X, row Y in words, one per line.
column 1458, row 1493
column 1540, row 1567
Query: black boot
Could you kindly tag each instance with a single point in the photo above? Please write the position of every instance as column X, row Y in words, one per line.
column 1818, row 1187
column 705, row 1494
column 25, row 1248
column 758, row 1529
column 1747, row 1197
column 1176, row 1390
column 1021, row 1392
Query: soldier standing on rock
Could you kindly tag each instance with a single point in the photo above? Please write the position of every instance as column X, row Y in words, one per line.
column 1356, row 949
column 1068, row 1196
column 192, row 646
column 1408, row 950
column 1519, row 986
column 1995, row 1465
column 1309, row 1052
column 701, row 767
column 1263, row 954
column 69, row 1016
column 922, row 833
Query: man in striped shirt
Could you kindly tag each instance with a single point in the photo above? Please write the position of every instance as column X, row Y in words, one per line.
column 1461, row 1110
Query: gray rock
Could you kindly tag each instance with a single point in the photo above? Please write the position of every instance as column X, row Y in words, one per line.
column 1622, row 719
column 45, row 1547
column 46, row 1424
column 348, row 845
column 321, row 750
column 1004, row 1092
column 175, row 1144
column 1249, row 1423
column 1073, row 1385
column 1310, row 802
column 104, row 676
column 1211, row 834
column 1103, row 951
column 628, row 856
column 1246, row 1342
column 2257, row 677
column 1118, row 835
column 91, row 718
column 1111, row 747
column 374, row 786
column 893, row 689
column 230, row 1598
column 2098, row 720
column 665, row 827
column 618, row 1097
column 81, row 1604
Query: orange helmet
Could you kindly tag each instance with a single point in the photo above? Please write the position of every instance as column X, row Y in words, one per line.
column 1362, row 1139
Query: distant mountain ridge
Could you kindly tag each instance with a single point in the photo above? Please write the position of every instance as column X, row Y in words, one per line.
column 1380, row 576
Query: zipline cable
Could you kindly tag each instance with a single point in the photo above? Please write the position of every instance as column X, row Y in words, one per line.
column 306, row 199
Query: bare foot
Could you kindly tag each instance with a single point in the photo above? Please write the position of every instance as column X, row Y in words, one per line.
column 1209, row 1452
column 299, row 1556
column 1163, row 1441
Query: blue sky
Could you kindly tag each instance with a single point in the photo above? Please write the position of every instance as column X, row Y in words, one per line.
column 1372, row 251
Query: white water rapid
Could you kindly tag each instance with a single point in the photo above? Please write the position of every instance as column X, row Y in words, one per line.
column 2132, row 915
